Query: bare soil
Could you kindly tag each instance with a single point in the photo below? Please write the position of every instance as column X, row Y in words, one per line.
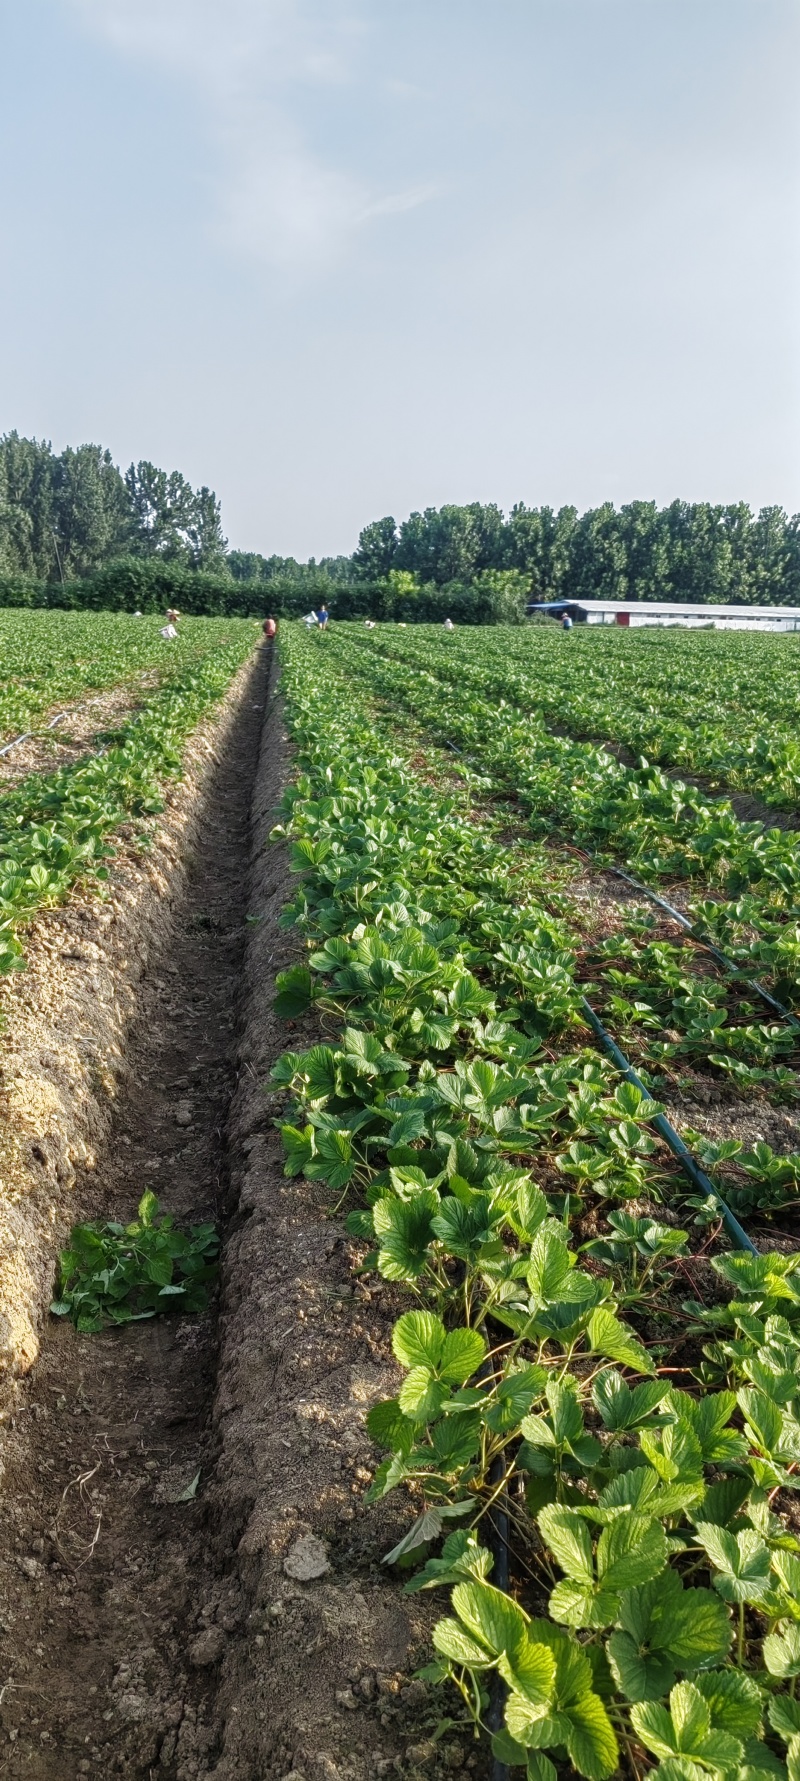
column 153, row 1623
column 110, row 1430
column 65, row 1025
column 315, row 1679
column 76, row 736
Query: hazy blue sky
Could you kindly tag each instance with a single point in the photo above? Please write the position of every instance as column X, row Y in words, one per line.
column 339, row 258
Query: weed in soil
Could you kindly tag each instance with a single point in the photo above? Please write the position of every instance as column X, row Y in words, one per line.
column 114, row 1273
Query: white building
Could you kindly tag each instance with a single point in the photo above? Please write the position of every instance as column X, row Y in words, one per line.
column 674, row 612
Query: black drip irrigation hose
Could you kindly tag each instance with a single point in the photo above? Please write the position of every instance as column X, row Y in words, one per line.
column 667, row 1131
column 498, row 1532
column 498, row 1520
column 662, row 1125
column 701, row 939
column 708, row 945
column 497, row 1540
column 497, row 1535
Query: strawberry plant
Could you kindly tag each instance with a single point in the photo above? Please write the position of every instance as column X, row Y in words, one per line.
column 113, row 1273
column 722, row 706
column 470, row 1136
column 57, row 829
column 661, row 827
column 54, row 659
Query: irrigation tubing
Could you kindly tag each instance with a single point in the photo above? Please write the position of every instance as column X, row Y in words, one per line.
column 499, row 1523
column 497, row 1538
column 700, row 939
column 498, row 1544
column 29, row 733
column 667, row 1131
column 708, row 945
column 499, row 1529
column 72, row 711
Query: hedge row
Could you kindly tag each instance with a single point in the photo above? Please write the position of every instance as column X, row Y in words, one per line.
column 133, row 584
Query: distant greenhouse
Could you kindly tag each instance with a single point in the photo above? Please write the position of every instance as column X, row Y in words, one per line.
column 669, row 612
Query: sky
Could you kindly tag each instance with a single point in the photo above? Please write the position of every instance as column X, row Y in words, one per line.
column 344, row 258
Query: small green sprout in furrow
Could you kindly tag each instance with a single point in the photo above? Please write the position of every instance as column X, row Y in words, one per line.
column 113, row 1273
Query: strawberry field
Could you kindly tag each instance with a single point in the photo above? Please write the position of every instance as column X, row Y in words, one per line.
column 56, row 829
column 721, row 704
column 52, row 660
column 597, row 1425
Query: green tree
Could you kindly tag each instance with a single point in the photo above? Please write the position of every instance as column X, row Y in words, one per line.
column 203, row 533
column 452, row 543
column 375, row 553
column 774, row 564
column 597, row 557
column 91, row 511
column 247, row 565
column 163, row 510
column 538, row 542
column 26, row 507
column 645, row 545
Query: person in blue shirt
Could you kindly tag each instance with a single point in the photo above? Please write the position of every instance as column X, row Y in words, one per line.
column 566, row 622
column 322, row 617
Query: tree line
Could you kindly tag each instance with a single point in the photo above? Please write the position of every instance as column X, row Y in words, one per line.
column 688, row 551
column 77, row 531
column 65, row 515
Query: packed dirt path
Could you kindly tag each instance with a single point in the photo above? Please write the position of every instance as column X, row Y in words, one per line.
column 105, row 1668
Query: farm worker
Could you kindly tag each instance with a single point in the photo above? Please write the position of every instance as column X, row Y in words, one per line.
column 269, row 628
column 322, row 616
column 566, row 622
column 172, row 615
column 448, row 624
column 169, row 632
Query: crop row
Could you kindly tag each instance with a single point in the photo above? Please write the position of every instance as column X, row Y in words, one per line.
column 697, row 703
column 661, row 827
column 56, row 829
column 52, row 658
column 675, row 1009
column 641, row 1446
column 725, row 706
column 672, row 1007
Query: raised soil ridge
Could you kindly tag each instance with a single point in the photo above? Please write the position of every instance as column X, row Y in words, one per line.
column 146, row 1631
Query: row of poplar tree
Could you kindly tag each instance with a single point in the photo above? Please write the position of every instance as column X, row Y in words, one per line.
column 689, row 551
column 64, row 515
column 74, row 517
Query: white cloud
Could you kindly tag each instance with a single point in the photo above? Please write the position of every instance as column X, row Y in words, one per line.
column 254, row 63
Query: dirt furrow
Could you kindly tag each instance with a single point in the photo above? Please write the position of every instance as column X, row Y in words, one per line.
column 104, row 1666
column 316, row 1660
column 239, row 1625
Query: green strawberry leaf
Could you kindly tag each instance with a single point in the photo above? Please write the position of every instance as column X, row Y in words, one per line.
column 608, row 1335
column 568, row 1538
column 623, row 1408
column 418, row 1338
